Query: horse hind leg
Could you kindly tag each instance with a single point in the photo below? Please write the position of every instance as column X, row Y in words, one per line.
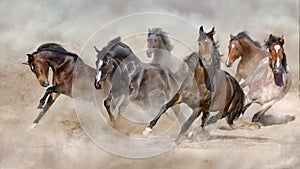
column 262, row 110
column 50, row 101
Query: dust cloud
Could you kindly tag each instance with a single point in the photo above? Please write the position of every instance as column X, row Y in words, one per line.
column 59, row 141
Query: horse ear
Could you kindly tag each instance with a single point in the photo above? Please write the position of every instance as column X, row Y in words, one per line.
column 149, row 30
column 97, row 50
column 281, row 40
column 30, row 57
column 201, row 29
column 212, row 31
column 270, row 36
column 231, row 36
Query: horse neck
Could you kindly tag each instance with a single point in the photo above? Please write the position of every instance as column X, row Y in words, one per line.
column 159, row 55
column 249, row 50
column 56, row 60
column 203, row 75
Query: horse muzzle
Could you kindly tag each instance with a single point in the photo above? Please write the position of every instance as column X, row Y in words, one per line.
column 45, row 83
column 228, row 64
column 98, row 84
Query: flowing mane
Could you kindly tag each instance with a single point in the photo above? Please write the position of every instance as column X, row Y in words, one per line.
column 244, row 34
column 54, row 47
column 163, row 35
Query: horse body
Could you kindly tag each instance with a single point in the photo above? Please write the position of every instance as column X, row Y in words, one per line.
column 251, row 54
column 271, row 80
column 131, row 77
column 207, row 89
column 62, row 63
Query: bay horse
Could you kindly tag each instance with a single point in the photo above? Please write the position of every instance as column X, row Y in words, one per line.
column 62, row 63
column 130, row 77
column 272, row 78
column 208, row 89
column 250, row 52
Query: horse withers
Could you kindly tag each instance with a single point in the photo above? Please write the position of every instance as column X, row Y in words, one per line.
column 62, row 63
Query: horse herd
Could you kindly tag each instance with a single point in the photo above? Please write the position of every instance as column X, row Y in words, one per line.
column 198, row 81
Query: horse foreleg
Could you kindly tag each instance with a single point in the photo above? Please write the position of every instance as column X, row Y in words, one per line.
column 123, row 105
column 175, row 100
column 50, row 101
column 107, row 103
column 187, row 124
column 43, row 99
column 262, row 110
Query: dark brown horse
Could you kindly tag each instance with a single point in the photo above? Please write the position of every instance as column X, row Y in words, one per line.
column 62, row 63
column 130, row 77
column 251, row 54
column 208, row 89
column 271, row 80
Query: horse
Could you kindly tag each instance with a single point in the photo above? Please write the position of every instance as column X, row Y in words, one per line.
column 208, row 89
column 62, row 63
column 130, row 77
column 251, row 54
column 159, row 47
column 272, row 78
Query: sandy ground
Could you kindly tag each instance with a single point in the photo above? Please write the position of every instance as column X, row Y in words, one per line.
column 59, row 141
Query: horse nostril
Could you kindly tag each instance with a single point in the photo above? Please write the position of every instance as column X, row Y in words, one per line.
column 97, row 84
column 45, row 83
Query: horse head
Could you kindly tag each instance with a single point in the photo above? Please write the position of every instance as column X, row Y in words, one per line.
column 157, row 40
column 105, row 67
column 206, row 46
column 39, row 66
column 234, row 50
column 277, row 58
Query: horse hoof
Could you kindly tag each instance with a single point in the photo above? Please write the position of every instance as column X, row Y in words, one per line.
column 254, row 126
column 178, row 139
column 147, row 131
column 32, row 126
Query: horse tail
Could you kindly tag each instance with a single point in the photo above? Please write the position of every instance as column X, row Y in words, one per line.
column 237, row 100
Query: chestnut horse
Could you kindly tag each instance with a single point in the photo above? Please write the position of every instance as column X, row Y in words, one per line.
column 272, row 78
column 208, row 89
column 62, row 63
column 251, row 54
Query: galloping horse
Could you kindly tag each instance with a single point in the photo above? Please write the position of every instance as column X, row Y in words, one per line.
column 207, row 89
column 272, row 78
column 62, row 63
column 251, row 54
column 131, row 77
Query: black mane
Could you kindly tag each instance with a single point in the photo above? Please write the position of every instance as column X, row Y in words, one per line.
column 244, row 34
column 54, row 47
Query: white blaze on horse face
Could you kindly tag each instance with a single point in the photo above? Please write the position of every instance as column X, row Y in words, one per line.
column 232, row 46
column 98, row 76
column 277, row 62
column 277, row 47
